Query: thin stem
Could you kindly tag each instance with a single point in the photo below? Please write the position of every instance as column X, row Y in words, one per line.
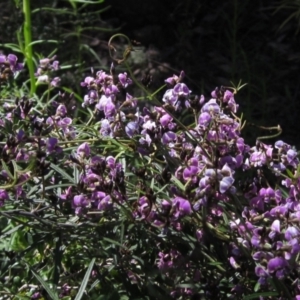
column 28, row 47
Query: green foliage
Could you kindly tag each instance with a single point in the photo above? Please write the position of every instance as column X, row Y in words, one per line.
column 70, row 26
column 44, row 245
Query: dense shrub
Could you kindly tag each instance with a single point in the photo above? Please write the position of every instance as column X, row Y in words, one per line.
column 124, row 197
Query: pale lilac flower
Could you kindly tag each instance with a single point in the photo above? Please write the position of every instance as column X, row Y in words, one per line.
column 3, row 196
column 84, row 150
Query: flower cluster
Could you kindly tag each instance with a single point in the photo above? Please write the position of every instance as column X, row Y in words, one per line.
column 102, row 183
column 176, row 172
column 269, row 224
column 8, row 66
column 46, row 66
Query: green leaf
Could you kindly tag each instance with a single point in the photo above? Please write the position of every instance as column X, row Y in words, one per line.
column 85, row 280
column 50, row 292
column 113, row 242
column 87, row 2
column 256, row 287
column 178, row 183
column 9, row 232
column 62, row 173
column 257, row 295
column 290, row 174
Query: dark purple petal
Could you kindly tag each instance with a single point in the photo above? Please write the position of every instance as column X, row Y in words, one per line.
column 260, row 271
column 276, row 263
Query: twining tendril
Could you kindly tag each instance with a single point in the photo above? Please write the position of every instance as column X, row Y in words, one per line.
column 266, row 137
column 126, row 52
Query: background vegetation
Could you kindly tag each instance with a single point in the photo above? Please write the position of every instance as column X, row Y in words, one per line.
column 216, row 44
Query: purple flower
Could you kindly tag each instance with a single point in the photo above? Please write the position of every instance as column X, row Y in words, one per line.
column 88, row 81
column 104, row 100
column 279, row 266
column 44, row 62
column 175, row 79
column 52, row 146
column 149, row 125
column 106, row 104
column 226, row 183
column 65, row 290
column 105, row 129
column 261, row 155
column 168, row 137
column 182, row 207
column 36, row 295
column 20, row 135
column 275, row 229
column 67, row 195
column 43, row 79
column 55, row 82
column 291, row 156
column 12, row 59
column 80, row 201
column 2, row 59
column 169, row 260
column 22, row 155
column 180, row 89
column 3, row 197
column 189, row 172
column 204, row 120
column 131, row 128
column 199, row 235
column 55, row 65
column 47, row 64
column 211, row 107
column 229, row 99
column 170, row 98
column 145, row 140
column 105, row 203
column 90, row 98
column 110, row 162
column 124, row 80
column 261, row 272
column 61, row 110
column 165, row 120
column 233, row 263
column 111, row 91
column 143, row 207
column 282, row 146
column 64, row 123
column 84, row 150
column 291, row 232
column 278, row 211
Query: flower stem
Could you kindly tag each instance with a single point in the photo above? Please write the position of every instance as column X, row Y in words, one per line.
column 28, row 46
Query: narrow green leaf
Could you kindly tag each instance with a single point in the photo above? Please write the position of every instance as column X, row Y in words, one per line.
column 62, row 173
column 178, row 183
column 9, row 232
column 43, row 42
column 113, row 242
column 51, row 293
column 257, row 295
column 290, row 174
column 85, row 280
column 88, row 2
